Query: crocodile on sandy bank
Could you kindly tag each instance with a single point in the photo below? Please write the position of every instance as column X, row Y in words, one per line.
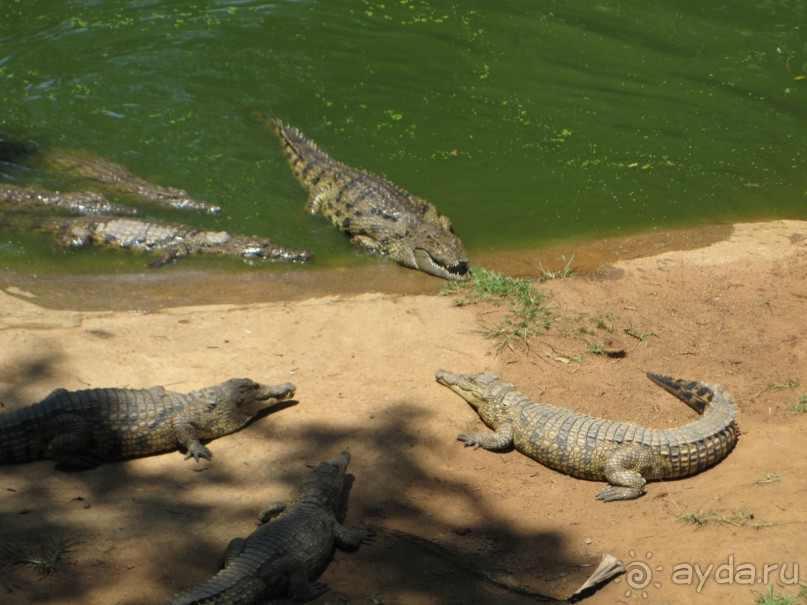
column 286, row 554
column 379, row 216
column 83, row 428
column 165, row 241
column 621, row 453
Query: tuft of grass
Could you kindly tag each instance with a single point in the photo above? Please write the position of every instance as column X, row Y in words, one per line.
column 43, row 560
column 638, row 334
column 595, row 348
column 769, row 598
column 526, row 316
column 546, row 274
column 801, row 405
column 605, row 323
column 721, row 517
column 790, row 383
column 769, row 478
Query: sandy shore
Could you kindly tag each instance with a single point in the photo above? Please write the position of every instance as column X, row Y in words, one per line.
column 732, row 312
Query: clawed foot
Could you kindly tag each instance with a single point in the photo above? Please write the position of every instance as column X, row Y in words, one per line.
column 197, row 450
column 611, row 493
column 468, row 439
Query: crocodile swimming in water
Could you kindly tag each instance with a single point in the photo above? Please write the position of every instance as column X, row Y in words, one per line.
column 80, row 202
column 379, row 216
column 286, row 554
column 165, row 241
column 117, row 179
column 82, row 428
column 115, row 225
column 621, row 453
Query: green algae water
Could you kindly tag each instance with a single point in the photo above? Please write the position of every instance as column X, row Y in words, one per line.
column 525, row 122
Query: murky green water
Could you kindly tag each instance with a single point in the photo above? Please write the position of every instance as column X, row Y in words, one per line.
column 525, row 122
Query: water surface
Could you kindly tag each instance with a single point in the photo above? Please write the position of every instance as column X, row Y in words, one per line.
column 526, row 123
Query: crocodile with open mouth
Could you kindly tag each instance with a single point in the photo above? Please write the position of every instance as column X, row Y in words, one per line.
column 379, row 216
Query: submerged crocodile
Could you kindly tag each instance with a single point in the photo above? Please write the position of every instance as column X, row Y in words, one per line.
column 20, row 208
column 286, row 554
column 117, row 179
column 167, row 241
column 80, row 202
column 379, row 216
column 623, row 454
column 82, row 428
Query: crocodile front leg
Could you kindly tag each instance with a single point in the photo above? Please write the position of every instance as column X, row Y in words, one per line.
column 188, row 438
column 623, row 471
column 500, row 439
column 350, row 538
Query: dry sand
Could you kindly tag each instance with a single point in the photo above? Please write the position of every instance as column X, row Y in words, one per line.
column 733, row 312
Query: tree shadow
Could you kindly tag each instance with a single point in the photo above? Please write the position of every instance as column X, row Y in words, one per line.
column 167, row 523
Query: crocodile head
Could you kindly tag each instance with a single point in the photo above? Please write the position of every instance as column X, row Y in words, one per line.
column 432, row 248
column 476, row 389
column 248, row 397
column 323, row 485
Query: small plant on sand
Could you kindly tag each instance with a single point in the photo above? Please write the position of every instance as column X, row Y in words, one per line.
column 546, row 274
column 769, row 478
column 721, row 517
column 526, row 315
column 801, row 405
column 637, row 333
column 605, row 322
column 770, row 598
column 43, row 559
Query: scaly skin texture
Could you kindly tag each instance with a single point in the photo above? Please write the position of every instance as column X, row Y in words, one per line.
column 165, row 241
column 81, row 202
column 82, row 428
column 623, row 454
column 117, row 179
column 286, row 554
column 379, row 216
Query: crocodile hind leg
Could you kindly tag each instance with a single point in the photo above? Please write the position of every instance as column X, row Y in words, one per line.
column 623, row 471
column 69, row 445
column 300, row 588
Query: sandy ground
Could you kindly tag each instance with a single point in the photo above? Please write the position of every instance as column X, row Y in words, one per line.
column 733, row 312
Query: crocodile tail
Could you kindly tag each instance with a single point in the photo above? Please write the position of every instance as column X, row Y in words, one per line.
column 308, row 162
column 695, row 394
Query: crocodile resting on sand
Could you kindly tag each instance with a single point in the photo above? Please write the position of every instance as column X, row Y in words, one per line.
column 286, row 554
column 82, row 428
column 167, row 241
column 379, row 216
column 621, row 453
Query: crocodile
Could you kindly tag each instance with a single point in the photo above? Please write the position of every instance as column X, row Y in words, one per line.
column 379, row 216
column 621, row 453
column 286, row 554
column 80, row 202
column 82, row 428
column 114, row 177
column 167, row 241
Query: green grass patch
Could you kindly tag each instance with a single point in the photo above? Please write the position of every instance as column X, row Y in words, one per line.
column 770, row 598
column 546, row 274
column 526, row 315
column 719, row 517
column 801, row 405
column 43, row 559
column 769, row 478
